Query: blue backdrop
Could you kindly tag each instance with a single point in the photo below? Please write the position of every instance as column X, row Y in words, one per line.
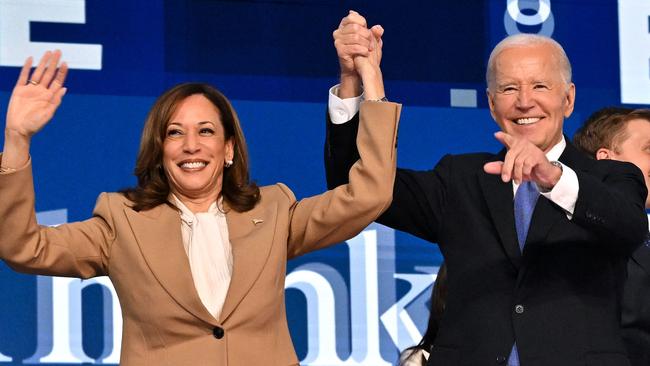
column 276, row 61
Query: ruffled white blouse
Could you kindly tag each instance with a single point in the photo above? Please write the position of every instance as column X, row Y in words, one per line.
column 206, row 243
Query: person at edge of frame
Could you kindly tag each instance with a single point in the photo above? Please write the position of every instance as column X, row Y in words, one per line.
column 419, row 354
column 623, row 134
column 535, row 237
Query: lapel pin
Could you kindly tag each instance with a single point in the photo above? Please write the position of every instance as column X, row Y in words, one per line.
column 257, row 221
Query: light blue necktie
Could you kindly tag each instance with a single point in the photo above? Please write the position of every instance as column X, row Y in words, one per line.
column 525, row 200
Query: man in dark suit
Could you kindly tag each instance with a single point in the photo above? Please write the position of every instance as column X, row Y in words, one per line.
column 534, row 274
column 624, row 134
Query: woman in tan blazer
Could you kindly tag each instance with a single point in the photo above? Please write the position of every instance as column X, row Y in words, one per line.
column 192, row 164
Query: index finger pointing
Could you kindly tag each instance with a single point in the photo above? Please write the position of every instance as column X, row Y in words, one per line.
column 504, row 138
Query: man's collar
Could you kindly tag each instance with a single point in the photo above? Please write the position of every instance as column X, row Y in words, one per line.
column 557, row 150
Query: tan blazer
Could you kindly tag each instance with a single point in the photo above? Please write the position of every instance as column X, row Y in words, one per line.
column 165, row 322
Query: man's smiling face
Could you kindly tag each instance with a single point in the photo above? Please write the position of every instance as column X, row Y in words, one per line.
column 528, row 96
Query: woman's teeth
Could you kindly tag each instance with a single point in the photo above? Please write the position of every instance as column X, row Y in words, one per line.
column 193, row 165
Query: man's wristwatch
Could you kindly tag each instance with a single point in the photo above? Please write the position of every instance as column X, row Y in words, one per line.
column 382, row 99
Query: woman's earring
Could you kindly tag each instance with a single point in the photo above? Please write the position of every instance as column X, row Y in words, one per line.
column 228, row 163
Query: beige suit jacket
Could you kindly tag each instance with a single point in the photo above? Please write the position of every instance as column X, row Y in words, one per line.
column 165, row 322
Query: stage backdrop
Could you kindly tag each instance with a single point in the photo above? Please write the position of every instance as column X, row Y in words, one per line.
column 357, row 303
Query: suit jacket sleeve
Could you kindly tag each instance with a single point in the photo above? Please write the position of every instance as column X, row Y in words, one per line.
column 611, row 205
column 344, row 211
column 75, row 250
column 340, row 150
column 419, row 197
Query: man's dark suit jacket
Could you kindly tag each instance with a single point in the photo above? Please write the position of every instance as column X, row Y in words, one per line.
column 560, row 298
column 636, row 307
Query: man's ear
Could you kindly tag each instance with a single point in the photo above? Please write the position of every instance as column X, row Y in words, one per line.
column 604, row 154
column 570, row 100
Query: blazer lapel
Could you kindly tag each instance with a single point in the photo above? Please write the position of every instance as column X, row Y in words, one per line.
column 158, row 234
column 545, row 215
column 499, row 198
column 251, row 237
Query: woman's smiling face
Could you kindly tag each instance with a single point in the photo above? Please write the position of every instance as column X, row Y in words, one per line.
column 195, row 149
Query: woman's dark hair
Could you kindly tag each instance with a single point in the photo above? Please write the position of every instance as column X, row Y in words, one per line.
column 238, row 192
column 438, row 302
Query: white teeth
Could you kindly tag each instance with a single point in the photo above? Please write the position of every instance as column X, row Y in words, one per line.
column 193, row 165
column 527, row 121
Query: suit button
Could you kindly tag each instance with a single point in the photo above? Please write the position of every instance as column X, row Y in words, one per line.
column 519, row 309
column 501, row 360
column 217, row 332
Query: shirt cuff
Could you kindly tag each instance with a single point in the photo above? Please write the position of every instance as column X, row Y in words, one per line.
column 565, row 192
column 342, row 110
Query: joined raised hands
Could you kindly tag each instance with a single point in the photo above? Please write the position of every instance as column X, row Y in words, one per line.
column 36, row 95
column 353, row 38
column 524, row 162
column 373, row 58
column 359, row 50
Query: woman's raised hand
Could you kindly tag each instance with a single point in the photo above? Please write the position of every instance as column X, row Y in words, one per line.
column 368, row 66
column 36, row 97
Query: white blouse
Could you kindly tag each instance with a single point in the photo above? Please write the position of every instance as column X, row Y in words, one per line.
column 413, row 357
column 206, row 243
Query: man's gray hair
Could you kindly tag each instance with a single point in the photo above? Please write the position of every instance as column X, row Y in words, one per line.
column 523, row 40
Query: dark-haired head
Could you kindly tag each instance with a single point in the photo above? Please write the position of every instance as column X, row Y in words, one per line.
column 154, row 186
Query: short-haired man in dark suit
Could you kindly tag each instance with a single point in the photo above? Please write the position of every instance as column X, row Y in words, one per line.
column 624, row 134
column 535, row 237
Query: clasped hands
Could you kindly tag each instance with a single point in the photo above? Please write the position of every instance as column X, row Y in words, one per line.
column 359, row 51
column 524, row 162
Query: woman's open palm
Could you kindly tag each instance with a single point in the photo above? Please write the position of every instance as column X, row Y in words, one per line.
column 35, row 98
